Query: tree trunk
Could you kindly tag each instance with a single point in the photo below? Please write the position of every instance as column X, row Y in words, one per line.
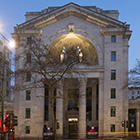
column 52, row 111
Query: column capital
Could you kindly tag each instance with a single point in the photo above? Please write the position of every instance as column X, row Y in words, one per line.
column 82, row 80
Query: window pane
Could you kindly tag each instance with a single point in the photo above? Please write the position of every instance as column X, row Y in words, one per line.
column 73, row 99
column 113, row 111
column 27, row 112
column 113, row 74
column 29, row 40
column 112, row 127
column 113, row 93
column 28, row 95
column 28, row 57
column 113, row 38
column 28, row 77
column 113, row 56
column 27, row 129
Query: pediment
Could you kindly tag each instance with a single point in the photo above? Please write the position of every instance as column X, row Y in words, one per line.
column 65, row 11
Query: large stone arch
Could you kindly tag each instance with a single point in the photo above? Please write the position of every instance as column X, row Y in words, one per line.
column 81, row 34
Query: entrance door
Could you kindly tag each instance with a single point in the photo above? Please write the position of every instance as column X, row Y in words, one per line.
column 73, row 130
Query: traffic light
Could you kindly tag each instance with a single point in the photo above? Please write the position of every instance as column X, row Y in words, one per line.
column 57, row 125
column 15, row 121
column 7, row 120
column 123, row 123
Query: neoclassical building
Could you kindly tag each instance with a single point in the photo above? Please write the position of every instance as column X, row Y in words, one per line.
column 100, row 39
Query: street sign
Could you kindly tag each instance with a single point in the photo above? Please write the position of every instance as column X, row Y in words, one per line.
column 47, row 132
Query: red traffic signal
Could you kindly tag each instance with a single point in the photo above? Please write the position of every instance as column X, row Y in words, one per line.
column 123, row 123
column 6, row 115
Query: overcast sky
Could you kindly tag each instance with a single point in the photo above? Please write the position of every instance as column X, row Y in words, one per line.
column 12, row 12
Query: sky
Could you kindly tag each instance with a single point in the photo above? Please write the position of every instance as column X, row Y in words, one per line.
column 13, row 12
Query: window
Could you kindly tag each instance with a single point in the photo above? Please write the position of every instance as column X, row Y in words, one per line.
column 113, row 74
column 28, row 40
column 88, row 103
column 113, row 111
column 27, row 113
column 7, row 92
column 138, row 92
column 7, row 84
column 46, row 103
column 112, row 127
column 113, row 56
column 28, row 77
column 113, row 38
column 113, row 93
column 73, row 99
column 28, row 95
column 27, row 129
column 28, row 57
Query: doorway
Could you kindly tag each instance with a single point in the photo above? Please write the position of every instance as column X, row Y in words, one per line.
column 73, row 129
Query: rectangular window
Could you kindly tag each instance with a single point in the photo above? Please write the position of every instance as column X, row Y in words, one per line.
column 113, row 56
column 46, row 103
column 28, row 113
column 88, row 103
column 113, row 74
column 28, row 40
column 112, row 127
column 27, row 129
column 28, row 57
column 28, row 95
column 113, row 38
column 28, row 77
column 113, row 93
column 113, row 111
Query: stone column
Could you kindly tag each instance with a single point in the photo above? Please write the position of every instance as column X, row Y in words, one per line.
column 82, row 108
column 138, row 122
column 101, row 108
column 59, row 109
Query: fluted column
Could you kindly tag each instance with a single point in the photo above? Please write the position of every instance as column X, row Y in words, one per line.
column 59, row 108
column 82, row 108
column 138, row 122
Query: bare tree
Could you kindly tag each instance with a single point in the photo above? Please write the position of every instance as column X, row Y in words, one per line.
column 134, row 75
column 41, row 66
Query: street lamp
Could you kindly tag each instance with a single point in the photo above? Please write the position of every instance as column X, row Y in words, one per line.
column 3, row 68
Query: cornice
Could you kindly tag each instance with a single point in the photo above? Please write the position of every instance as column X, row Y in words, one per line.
column 68, row 10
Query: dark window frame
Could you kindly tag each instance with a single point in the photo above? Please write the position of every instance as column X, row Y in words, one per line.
column 29, row 39
column 113, row 111
column 113, row 56
column 28, row 95
column 113, row 38
column 113, row 93
column 113, row 74
column 28, row 77
column 28, row 57
column 112, row 127
column 27, row 129
column 28, row 113
column 88, row 103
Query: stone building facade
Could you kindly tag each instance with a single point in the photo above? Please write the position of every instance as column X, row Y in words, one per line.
column 103, row 40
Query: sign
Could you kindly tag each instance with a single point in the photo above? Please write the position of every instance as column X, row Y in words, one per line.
column 47, row 131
